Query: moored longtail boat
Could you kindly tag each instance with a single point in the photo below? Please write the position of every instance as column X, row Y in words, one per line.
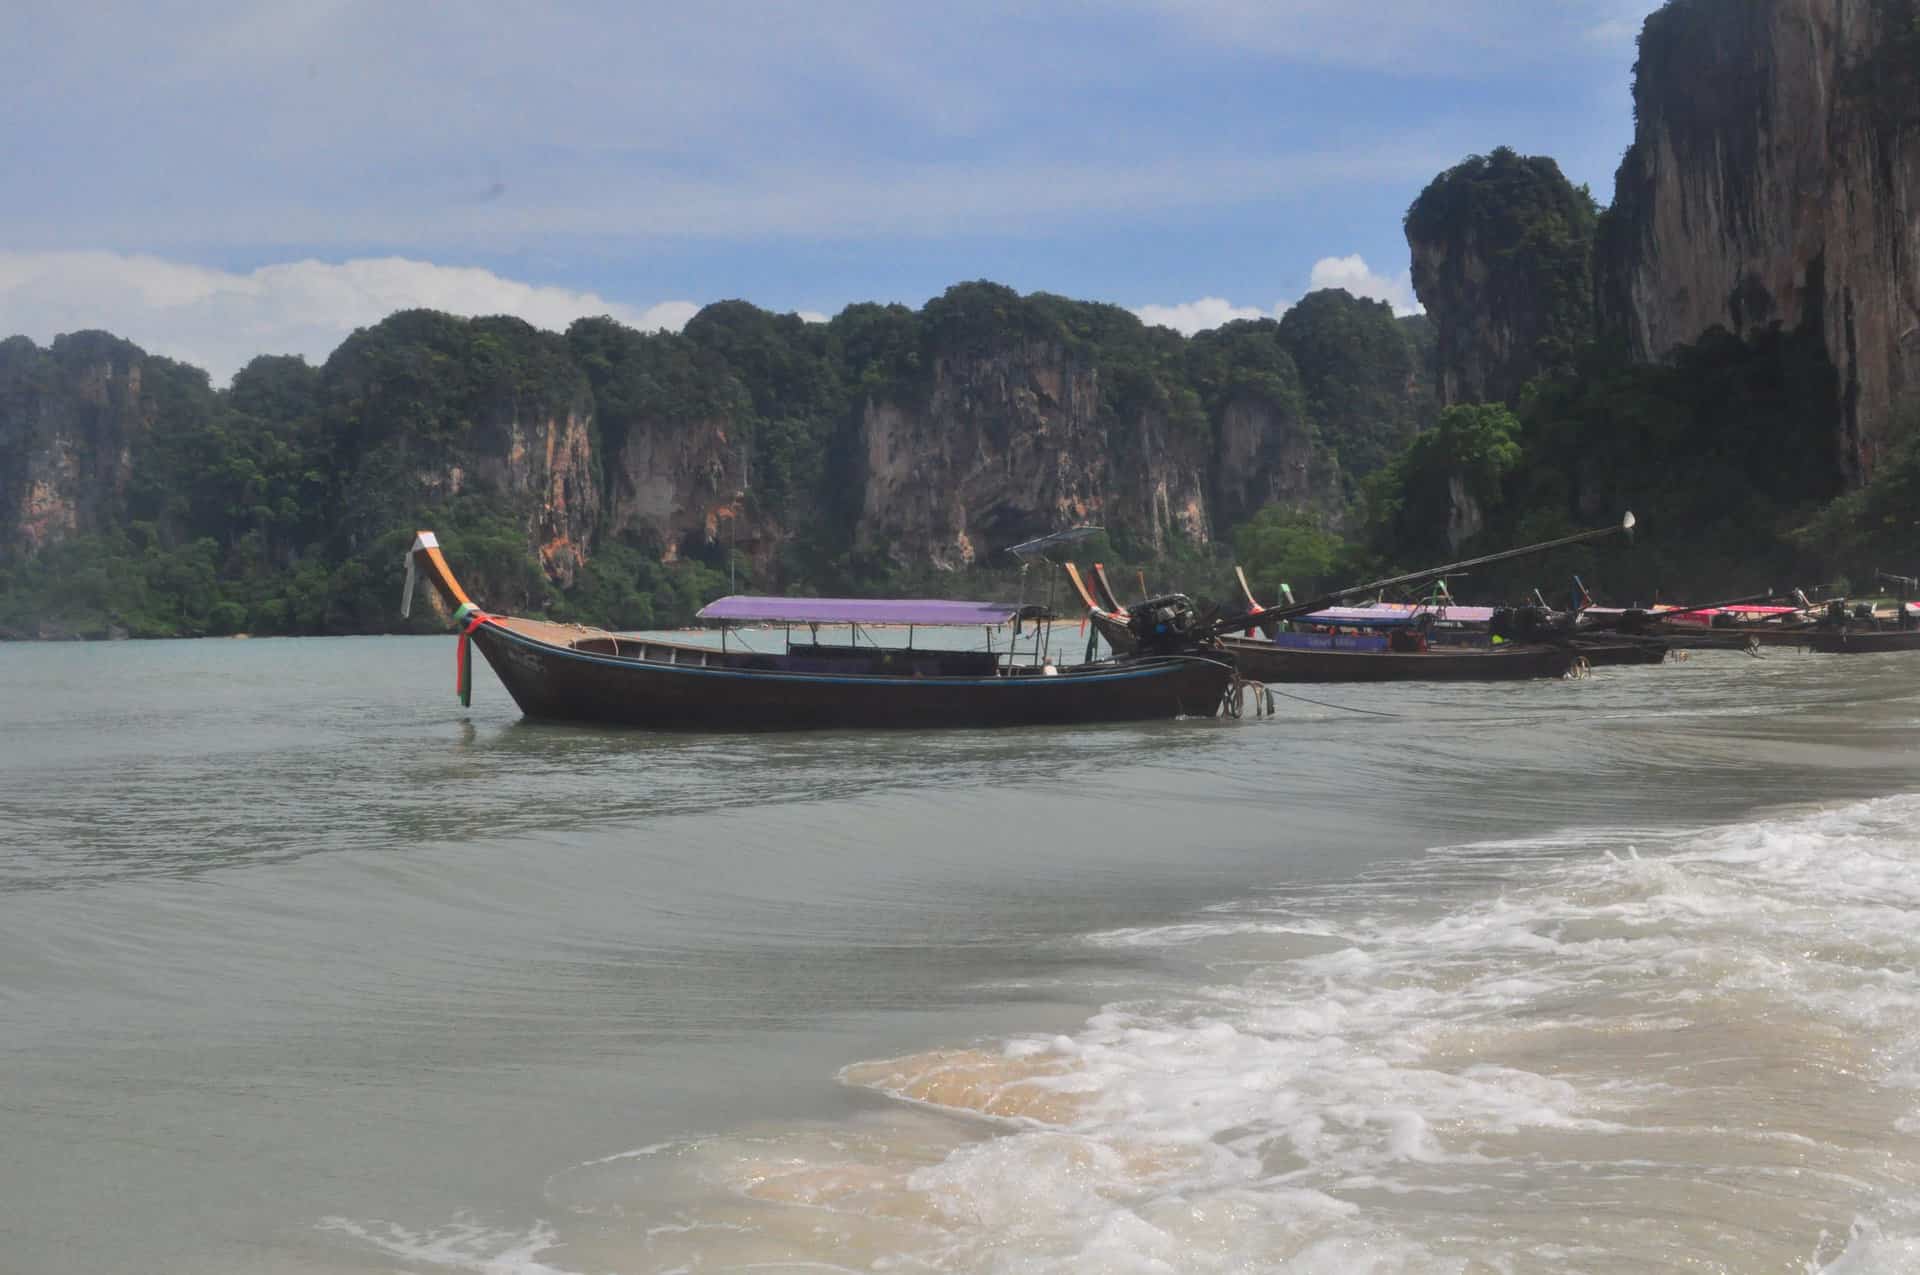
column 568, row 673
column 1732, row 625
column 1529, row 645
column 1862, row 632
column 1265, row 661
column 1113, row 624
column 1857, row 641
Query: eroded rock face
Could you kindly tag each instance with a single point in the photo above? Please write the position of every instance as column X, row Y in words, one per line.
column 1265, row 455
column 70, row 418
column 675, row 483
column 1465, row 518
column 547, row 460
column 496, row 429
column 1012, row 444
column 1775, row 178
column 534, row 459
column 1502, row 260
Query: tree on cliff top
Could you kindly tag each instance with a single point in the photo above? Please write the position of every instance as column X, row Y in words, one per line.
column 434, row 376
column 1447, row 484
column 1357, row 367
column 1286, row 546
column 1503, row 262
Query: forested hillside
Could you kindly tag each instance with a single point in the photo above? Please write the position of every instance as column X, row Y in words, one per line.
column 617, row 476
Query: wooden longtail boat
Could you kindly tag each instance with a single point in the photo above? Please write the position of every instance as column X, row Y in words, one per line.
column 568, row 673
column 1853, row 641
column 1612, row 651
column 1112, row 623
column 1429, row 643
column 1159, row 624
column 1265, row 661
column 1864, row 633
column 1739, row 624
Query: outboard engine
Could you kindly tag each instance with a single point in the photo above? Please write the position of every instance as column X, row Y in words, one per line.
column 1162, row 624
column 1524, row 624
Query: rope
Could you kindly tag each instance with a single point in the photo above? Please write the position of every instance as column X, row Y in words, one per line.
column 1233, row 701
column 1344, row 708
column 1268, row 692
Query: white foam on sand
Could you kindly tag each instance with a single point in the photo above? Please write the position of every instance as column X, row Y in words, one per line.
column 1557, row 1055
column 462, row 1244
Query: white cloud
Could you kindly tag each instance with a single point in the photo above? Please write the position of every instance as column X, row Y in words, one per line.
column 218, row 319
column 812, row 316
column 1353, row 274
column 1189, row 317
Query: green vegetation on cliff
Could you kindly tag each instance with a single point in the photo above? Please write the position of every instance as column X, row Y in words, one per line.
column 1728, row 449
column 1358, row 368
column 606, row 474
column 1503, row 262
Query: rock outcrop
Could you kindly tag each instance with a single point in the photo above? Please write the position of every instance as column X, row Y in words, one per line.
column 539, row 461
column 1011, row 443
column 70, row 420
column 1265, row 455
column 680, row 485
column 424, row 408
column 1502, row 250
column 612, row 467
column 1774, row 178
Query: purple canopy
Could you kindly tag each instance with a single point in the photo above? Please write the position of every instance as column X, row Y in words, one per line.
column 856, row 611
column 1388, row 613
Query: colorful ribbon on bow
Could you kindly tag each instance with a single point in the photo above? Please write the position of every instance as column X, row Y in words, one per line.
column 463, row 657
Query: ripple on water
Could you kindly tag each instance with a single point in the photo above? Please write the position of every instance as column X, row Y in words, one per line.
column 1698, row 1054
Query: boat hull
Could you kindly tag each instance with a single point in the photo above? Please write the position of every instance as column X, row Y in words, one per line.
column 1611, row 652
column 1732, row 638
column 1861, row 641
column 1268, row 662
column 561, row 683
column 1113, row 629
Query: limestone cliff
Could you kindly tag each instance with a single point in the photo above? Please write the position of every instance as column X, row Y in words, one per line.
column 611, row 471
column 675, row 428
column 1502, row 249
column 1774, row 178
column 425, row 408
column 1012, row 442
column 1265, row 455
column 70, row 418
column 535, row 459
column 681, row 486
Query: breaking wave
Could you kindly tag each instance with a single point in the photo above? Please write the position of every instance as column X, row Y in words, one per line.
column 1594, row 1052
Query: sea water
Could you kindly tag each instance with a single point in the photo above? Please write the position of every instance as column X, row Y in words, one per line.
column 305, row 968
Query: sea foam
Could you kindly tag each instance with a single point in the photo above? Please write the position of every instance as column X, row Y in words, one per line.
column 1578, row 1052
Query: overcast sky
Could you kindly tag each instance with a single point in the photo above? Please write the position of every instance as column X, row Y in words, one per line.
column 216, row 180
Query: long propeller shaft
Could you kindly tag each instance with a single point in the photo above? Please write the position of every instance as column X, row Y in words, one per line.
column 1325, row 600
